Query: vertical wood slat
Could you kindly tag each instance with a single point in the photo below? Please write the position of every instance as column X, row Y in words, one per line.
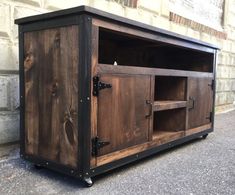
column 51, row 60
column 94, row 62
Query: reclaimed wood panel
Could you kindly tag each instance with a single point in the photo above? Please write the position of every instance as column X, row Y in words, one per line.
column 122, row 112
column 51, row 89
column 200, row 90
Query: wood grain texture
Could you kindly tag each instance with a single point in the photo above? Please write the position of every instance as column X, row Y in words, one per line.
column 122, row 110
column 94, row 62
column 168, row 105
column 120, row 69
column 51, row 74
column 150, row 36
column 158, row 140
column 200, row 90
column 163, row 137
column 198, row 129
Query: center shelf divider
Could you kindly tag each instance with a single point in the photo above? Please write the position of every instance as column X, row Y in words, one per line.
column 168, row 105
column 125, row 69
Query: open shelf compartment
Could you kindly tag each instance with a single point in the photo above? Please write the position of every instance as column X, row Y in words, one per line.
column 130, row 50
column 169, row 125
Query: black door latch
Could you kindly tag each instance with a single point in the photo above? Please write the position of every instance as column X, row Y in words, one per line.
column 98, row 85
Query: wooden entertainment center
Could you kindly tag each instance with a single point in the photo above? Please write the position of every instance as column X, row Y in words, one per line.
column 99, row 91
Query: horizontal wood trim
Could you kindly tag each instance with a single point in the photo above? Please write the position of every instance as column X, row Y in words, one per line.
column 163, row 137
column 198, row 129
column 101, row 160
column 111, row 69
column 155, row 36
column 168, row 105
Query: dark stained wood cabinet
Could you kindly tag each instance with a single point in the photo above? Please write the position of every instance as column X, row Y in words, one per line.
column 99, row 91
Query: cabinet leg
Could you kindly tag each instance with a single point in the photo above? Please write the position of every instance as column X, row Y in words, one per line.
column 88, row 182
column 205, row 136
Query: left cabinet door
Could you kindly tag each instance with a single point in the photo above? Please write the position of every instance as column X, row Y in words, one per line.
column 51, row 88
column 123, row 111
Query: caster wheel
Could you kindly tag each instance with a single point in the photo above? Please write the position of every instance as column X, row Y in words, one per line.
column 38, row 167
column 204, row 136
column 88, row 182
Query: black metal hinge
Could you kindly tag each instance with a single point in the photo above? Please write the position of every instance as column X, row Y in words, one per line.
column 98, row 85
column 212, row 84
column 97, row 144
column 210, row 116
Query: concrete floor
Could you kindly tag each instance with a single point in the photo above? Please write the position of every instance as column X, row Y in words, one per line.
column 198, row 167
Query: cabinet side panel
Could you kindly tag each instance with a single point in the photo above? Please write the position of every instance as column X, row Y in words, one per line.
column 51, row 88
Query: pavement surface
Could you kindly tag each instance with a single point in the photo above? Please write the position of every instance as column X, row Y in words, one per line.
column 198, row 167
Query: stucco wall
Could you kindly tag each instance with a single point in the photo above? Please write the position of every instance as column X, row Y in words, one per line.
column 153, row 12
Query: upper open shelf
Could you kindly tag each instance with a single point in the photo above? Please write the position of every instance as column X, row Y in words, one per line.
column 124, row 49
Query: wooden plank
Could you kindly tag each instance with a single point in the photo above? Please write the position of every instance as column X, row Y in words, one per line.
column 150, row 36
column 31, row 70
column 51, row 69
column 163, row 137
column 120, row 69
column 152, row 91
column 198, row 129
column 122, row 111
column 67, row 95
column 94, row 61
column 148, row 145
column 168, row 105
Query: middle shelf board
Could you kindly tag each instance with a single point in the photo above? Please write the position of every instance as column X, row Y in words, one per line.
column 168, row 105
column 135, row 70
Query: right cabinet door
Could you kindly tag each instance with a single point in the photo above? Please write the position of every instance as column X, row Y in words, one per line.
column 200, row 97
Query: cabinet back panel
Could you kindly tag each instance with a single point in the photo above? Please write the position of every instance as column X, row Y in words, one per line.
column 169, row 120
column 51, row 88
column 170, row 88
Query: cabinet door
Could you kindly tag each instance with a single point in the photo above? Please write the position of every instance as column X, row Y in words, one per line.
column 122, row 112
column 200, row 93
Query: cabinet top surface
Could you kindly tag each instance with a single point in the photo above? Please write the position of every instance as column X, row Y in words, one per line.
column 105, row 15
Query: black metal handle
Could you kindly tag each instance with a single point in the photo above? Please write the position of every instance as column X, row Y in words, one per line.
column 148, row 102
column 191, row 103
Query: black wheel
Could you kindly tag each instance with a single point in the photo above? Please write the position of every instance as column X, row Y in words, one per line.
column 88, row 182
column 37, row 166
column 205, row 136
